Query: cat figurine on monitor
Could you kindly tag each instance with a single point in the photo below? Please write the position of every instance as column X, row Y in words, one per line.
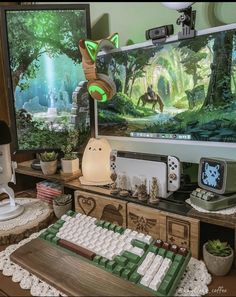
column 96, row 167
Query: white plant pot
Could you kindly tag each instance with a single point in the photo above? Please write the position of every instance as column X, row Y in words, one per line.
column 49, row 168
column 218, row 265
column 70, row 166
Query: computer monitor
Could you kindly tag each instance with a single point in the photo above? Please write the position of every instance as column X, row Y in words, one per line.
column 174, row 98
column 46, row 83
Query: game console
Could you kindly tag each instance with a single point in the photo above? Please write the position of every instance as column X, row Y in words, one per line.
column 139, row 166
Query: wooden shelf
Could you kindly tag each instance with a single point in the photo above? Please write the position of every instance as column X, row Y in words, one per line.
column 25, row 168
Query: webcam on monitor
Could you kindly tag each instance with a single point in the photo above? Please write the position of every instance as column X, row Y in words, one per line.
column 159, row 34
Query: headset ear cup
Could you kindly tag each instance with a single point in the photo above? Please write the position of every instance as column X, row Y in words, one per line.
column 109, row 81
column 102, row 88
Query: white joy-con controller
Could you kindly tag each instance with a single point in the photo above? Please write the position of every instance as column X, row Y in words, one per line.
column 113, row 157
column 173, row 169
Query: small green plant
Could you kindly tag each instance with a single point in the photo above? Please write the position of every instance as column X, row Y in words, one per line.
column 218, row 248
column 71, row 144
column 48, row 156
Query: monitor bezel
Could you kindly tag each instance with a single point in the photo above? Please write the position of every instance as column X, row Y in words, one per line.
column 187, row 143
column 6, row 56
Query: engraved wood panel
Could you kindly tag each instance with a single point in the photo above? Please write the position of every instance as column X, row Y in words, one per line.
column 144, row 219
column 101, row 207
column 182, row 231
column 178, row 232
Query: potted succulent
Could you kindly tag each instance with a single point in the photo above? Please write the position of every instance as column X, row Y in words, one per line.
column 218, row 257
column 61, row 204
column 70, row 161
column 48, row 162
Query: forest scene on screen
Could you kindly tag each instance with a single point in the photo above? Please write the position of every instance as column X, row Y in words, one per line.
column 47, row 76
column 184, row 87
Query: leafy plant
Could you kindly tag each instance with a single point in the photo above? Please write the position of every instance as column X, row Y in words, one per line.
column 218, row 248
column 48, row 156
column 71, row 144
column 62, row 199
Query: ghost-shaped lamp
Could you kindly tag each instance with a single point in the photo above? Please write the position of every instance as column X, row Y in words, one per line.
column 96, row 169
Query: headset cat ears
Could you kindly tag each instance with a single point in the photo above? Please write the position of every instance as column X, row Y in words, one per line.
column 100, row 86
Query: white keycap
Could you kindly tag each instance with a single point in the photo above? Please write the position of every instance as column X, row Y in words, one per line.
column 145, row 281
column 155, row 283
column 140, row 236
column 148, row 239
column 137, row 251
column 146, row 263
column 127, row 231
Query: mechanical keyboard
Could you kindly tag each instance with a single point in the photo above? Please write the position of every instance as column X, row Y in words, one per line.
column 152, row 264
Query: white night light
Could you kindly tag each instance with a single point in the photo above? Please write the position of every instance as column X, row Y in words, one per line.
column 177, row 5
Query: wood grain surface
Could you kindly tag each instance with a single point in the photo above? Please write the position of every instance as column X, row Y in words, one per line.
column 70, row 274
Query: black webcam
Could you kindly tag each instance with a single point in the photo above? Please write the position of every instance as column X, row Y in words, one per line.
column 159, row 33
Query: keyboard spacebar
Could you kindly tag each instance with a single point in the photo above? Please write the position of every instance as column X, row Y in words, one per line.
column 77, row 249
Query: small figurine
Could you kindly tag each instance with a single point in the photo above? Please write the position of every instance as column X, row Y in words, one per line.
column 135, row 193
column 114, row 189
column 142, row 191
column 123, row 186
column 154, row 191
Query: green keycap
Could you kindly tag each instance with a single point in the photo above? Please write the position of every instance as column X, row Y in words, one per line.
column 131, row 257
column 131, row 266
column 118, row 270
column 106, row 225
column 174, row 268
column 121, row 260
column 97, row 259
column 179, row 258
column 139, row 244
column 100, row 223
column 111, row 265
column 60, row 222
column 170, row 255
column 43, row 235
column 119, row 229
column 52, row 230
column 166, row 285
column 56, row 226
column 55, row 239
column 135, row 277
column 162, row 252
column 153, row 249
column 70, row 213
column 112, row 227
column 49, row 237
column 126, row 273
column 103, row 262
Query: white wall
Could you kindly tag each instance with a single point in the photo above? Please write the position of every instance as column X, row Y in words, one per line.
column 131, row 19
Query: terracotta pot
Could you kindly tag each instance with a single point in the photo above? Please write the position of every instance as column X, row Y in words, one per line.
column 49, row 168
column 217, row 265
column 70, row 166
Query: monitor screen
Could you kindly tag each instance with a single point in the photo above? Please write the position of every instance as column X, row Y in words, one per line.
column 212, row 174
column 46, row 79
column 177, row 92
